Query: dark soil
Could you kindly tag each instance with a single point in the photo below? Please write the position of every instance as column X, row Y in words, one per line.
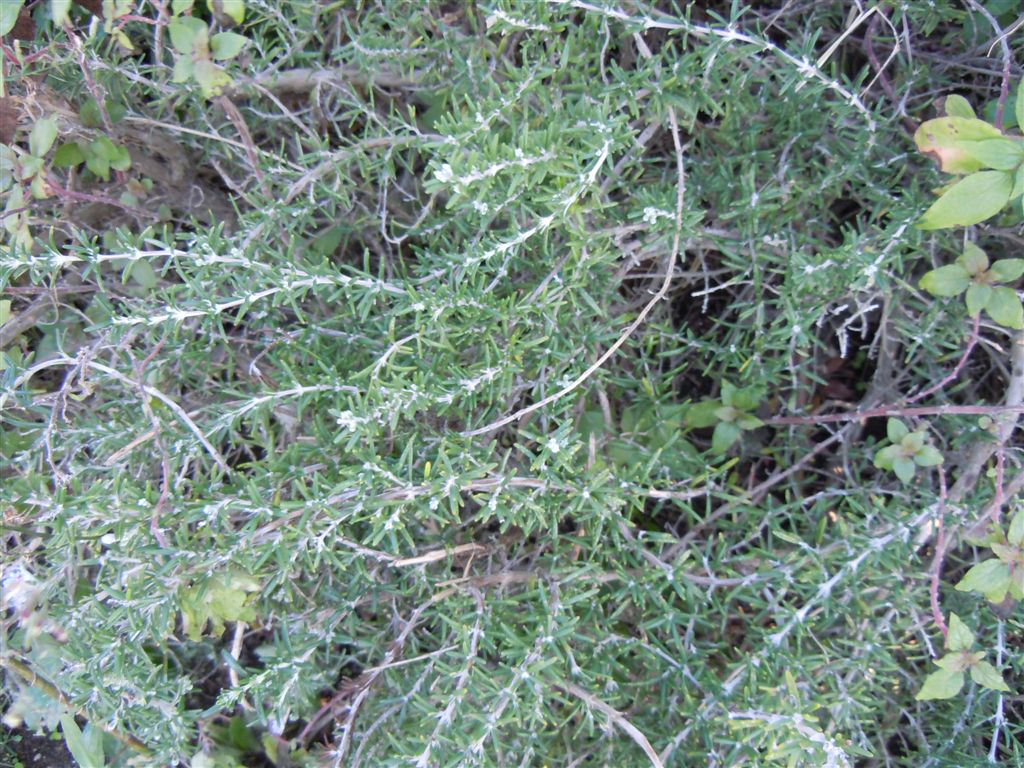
column 35, row 751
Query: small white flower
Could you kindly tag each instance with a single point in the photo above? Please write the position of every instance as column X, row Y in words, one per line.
column 554, row 446
column 444, row 174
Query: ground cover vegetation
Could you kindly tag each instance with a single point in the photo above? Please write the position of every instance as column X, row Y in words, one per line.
column 512, row 383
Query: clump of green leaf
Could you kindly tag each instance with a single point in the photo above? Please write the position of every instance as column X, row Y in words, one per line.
column 908, row 451
column 947, row 682
column 221, row 598
column 972, row 274
column 1004, row 573
column 199, row 50
column 730, row 415
column 991, row 161
column 101, row 154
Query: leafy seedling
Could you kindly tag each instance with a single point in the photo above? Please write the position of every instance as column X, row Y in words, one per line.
column 947, row 682
column 1004, row 573
column 730, row 416
column 909, row 450
column 972, row 274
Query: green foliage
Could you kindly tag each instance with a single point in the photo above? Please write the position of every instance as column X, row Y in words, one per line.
column 908, row 451
column 996, row 577
column 947, row 682
column 972, row 274
column 967, row 145
column 730, row 415
column 9, row 15
column 215, row 600
column 485, row 385
column 198, row 50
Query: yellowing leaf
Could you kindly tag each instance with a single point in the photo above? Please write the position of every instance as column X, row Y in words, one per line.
column 945, row 136
column 211, row 78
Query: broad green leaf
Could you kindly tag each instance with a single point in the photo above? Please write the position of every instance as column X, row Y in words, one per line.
column 88, row 753
column 115, row 111
column 30, row 166
column 5, row 311
column 943, row 684
column 1007, row 270
column 59, row 12
column 945, row 136
column 227, row 45
column 747, row 398
column 1005, row 552
column 183, row 67
column 1005, row 308
column 960, row 637
column 1019, row 110
column 9, row 10
column 886, row 456
column 123, row 40
column 747, row 421
column 727, row 413
column 702, row 414
column 179, row 7
column 224, row 597
column 40, row 189
column 211, row 78
column 68, row 155
column 977, row 298
column 103, row 147
column 913, row 442
column 121, row 159
column 985, row 675
column 970, row 201
column 728, row 391
column 896, row 430
column 202, row 760
column 1018, row 183
column 43, row 134
column 142, row 272
column 186, row 32
column 1015, row 535
column 958, row 106
column 98, row 165
column 973, row 259
column 950, row 280
column 1000, row 154
column 89, row 114
column 928, row 456
column 991, row 578
column 904, row 468
column 726, row 433
column 1017, row 584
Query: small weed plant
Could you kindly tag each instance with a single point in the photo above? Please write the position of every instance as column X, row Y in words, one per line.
column 533, row 383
